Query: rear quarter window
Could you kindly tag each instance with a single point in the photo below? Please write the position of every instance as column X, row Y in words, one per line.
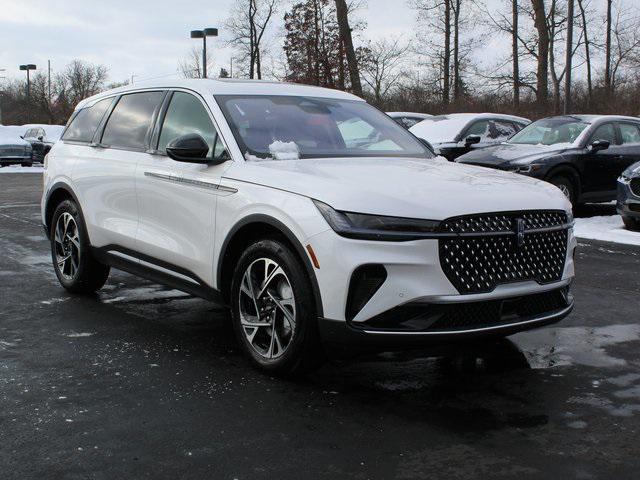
column 85, row 123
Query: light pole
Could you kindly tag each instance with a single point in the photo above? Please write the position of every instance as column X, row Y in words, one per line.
column 28, row 67
column 203, row 34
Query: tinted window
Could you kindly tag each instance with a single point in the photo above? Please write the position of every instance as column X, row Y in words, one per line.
column 29, row 133
column 630, row 133
column 501, row 130
column 186, row 114
column 85, row 122
column 129, row 123
column 408, row 122
column 605, row 132
column 480, row 128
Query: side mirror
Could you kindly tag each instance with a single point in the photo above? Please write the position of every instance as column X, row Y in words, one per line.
column 40, row 138
column 188, row 148
column 472, row 140
column 599, row 145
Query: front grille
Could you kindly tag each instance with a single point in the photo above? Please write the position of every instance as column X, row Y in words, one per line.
column 635, row 186
column 490, row 252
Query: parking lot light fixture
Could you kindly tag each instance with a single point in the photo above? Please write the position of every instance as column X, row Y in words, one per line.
column 203, row 34
column 28, row 67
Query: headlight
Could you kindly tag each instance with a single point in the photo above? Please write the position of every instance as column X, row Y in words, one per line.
column 376, row 227
column 528, row 168
column 631, row 171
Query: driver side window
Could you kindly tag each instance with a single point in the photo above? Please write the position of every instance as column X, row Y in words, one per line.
column 604, row 132
column 480, row 129
column 186, row 114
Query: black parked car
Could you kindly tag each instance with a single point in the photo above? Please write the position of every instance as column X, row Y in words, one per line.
column 629, row 197
column 583, row 155
column 42, row 138
column 455, row 134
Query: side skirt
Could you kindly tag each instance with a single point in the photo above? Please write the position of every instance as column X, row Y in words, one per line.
column 155, row 270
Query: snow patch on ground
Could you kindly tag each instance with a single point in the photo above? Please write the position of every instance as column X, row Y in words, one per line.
column 21, row 169
column 607, row 229
column 79, row 334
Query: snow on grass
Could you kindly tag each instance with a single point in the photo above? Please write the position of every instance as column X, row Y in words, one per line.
column 607, row 229
column 21, row 169
column 79, row 334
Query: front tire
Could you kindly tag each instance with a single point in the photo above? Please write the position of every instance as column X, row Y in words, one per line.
column 631, row 223
column 73, row 262
column 567, row 187
column 273, row 309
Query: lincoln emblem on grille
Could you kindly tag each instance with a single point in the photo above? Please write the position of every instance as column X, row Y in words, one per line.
column 519, row 232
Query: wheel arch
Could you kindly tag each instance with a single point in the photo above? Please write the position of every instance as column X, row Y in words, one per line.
column 249, row 229
column 567, row 170
column 58, row 193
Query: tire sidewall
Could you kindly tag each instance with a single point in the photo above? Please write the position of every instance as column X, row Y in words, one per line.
column 70, row 207
column 306, row 322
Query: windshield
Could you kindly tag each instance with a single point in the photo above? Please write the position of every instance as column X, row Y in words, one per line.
column 440, row 129
column 288, row 128
column 550, row 131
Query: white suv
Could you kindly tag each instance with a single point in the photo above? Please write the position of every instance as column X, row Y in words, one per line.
column 319, row 220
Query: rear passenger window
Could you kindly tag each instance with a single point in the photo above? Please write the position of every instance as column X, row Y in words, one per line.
column 501, row 131
column 630, row 133
column 128, row 125
column 185, row 115
column 85, row 123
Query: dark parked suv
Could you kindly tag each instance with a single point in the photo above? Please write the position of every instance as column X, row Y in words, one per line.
column 583, row 155
column 629, row 197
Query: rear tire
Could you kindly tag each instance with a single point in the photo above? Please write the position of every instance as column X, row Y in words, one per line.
column 273, row 310
column 567, row 187
column 76, row 268
column 631, row 223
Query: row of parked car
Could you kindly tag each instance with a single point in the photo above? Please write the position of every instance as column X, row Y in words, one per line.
column 590, row 158
column 27, row 144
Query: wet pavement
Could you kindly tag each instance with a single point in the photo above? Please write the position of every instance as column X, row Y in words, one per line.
column 145, row 382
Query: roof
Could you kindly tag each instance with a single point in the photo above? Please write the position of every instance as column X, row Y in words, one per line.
column 597, row 118
column 229, row 87
column 473, row 116
column 408, row 114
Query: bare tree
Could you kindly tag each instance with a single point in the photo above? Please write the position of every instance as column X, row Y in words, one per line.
column 342, row 13
column 607, row 53
column 624, row 48
column 542, row 70
column 191, row 65
column 248, row 22
column 381, row 68
column 587, row 48
column 514, row 52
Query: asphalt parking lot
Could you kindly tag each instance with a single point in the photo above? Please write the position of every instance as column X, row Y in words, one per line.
column 145, row 382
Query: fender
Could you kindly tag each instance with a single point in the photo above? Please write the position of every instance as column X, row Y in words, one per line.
column 282, row 228
column 56, row 187
column 569, row 169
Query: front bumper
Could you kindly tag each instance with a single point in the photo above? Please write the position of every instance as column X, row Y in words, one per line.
column 628, row 204
column 339, row 335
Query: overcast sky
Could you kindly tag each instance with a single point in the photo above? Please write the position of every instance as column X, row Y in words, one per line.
column 148, row 38
column 145, row 38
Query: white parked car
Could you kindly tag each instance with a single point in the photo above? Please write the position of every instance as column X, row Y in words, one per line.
column 408, row 119
column 262, row 195
column 455, row 134
column 13, row 149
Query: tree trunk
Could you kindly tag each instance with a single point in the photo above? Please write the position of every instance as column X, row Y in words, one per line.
column 514, row 48
column 587, row 52
column 569, row 58
column 456, row 52
column 446, row 64
column 345, row 33
column 252, row 39
column 542, row 70
column 607, row 50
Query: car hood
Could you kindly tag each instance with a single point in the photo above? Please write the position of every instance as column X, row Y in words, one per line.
column 508, row 152
column 417, row 188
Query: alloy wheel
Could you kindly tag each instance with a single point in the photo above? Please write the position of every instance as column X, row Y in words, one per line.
column 267, row 308
column 67, row 246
